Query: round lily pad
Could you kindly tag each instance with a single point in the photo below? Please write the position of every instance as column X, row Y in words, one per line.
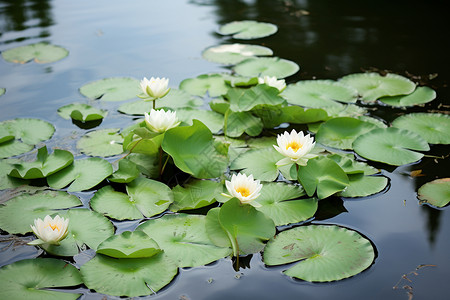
column 111, row 89
column 40, row 53
column 266, row 66
column 7, row 182
column 319, row 93
column 247, row 29
column 261, row 163
column 391, row 145
column 421, row 95
column 324, row 253
column 38, row 279
column 103, row 142
column 13, row 147
column 213, row 84
column 361, row 185
column 81, row 112
column 28, row 130
column 234, row 53
column 436, row 192
column 129, row 244
column 372, row 86
column 212, row 119
column 434, row 128
column 195, row 194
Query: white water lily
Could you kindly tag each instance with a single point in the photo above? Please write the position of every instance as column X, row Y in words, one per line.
column 154, row 88
column 161, row 121
column 296, row 147
column 273, row 82
column 50, row 230
column 246, row 189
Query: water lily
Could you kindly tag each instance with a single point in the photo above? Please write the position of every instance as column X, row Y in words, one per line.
column 246, row 189
column 161, row 121
column 154, row 88
column 273, row 82
column 50, row 230
column 296, row 147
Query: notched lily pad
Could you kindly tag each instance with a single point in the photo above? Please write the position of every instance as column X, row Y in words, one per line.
column 111, row 89
column 436, row 192
column 434, row 128
column 81, row 112
column 129, row 244
column 248, row 29
column 39, row 52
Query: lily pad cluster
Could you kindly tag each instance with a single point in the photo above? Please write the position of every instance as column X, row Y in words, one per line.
column 173, row 182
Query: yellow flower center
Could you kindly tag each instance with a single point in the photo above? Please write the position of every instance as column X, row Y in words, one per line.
column 54, row 226
column 243, row 191
column 294, row 145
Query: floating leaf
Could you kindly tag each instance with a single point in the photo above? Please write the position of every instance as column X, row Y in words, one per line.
column 319, row 93
column 195, row 194
column 82, row 175
column 240, row 122
column 41, row 53
column 130, row 277
column 247, row 99
column 434, row 128
column 184, row 239
column 213, row 120
column 324, row 253
column 372, row 86
column 111, row 89
column 129, row 244
column 436, row 192
column 13, row 148
column 421, row 95
column 7, row 182
column 2, row 91
column 362, row 186
column 231, row 54
column 247, row 29
column 37, row 279
column 351, row 166
column 103, row 142
column 17, row 214
column 261, row 163
column 266, row 66
column 273, row 116
column 127, row 172
column 30, row 131
column 81, row 112
column 213, row 84
column 144, row 198
column 392, row 146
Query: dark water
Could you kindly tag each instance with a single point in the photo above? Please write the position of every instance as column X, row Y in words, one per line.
column 328, row 39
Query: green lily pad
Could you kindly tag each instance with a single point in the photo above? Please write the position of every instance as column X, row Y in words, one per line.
column 421, row 95
column 279, row 202
column 247, row 99
column 231, row 54
column 434, row 128
column 81, row 175
column 184, row 239
column 7, row 182
column 351, row 166
column 144, row 198
column 213, row 120
column 37, row 279
column 103, row 142
column 273, row 116
column 13, row 148
column 247, row 29
column 129, row 277
column 81, row 112
column 266, row 66
column 341, row 132
column 259, row 162
column 30, row 131
column 40, row 52
column 324, row 253
column 129, row 244
column 436, row 192
column 362, row 185
column 213, row 84
column 111, row 89
column 239, row 122
column 44, row 165
column 391, row 145
column 319, row 93
column 17, row 214
column 195, row 194
column 2, row 91
column 372, row 86
column 127, row 171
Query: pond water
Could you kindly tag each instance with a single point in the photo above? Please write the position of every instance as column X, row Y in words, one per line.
column 328, row 39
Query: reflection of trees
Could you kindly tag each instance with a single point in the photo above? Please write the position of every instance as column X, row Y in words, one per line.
column 433, row 222
column 19, row 15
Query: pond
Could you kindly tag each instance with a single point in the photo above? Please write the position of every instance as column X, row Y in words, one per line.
column 328, row 40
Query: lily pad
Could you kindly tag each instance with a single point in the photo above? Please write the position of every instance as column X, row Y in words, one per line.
column 30, row 131
column 391, row 145
column 2, row 91
column 372, row 86
column 195, row 194
column 38, row 279
column 13, row 148
column 81, row 112
column 324, row 253
column 247, row 99
column 273, row 116
column 213, row 84
column 247, row 29
column 111, row 89
column 7, row 182
column 213, row 120
column 103, row 142
column 231, row 54
column 184, row 239
column 266, row 66
column 436, row 192
column 144, row 198
column 81, row 175
column 17, row 214
column 129, row 244
column 259, row 162
column 319, row 93
column 127, row 171
column 130, row 277
column 434, row 128
column 421, row 95
column 361, row 185
column 239, row 122
column 40, row 52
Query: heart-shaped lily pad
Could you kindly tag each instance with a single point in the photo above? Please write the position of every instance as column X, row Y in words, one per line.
column 81, row 112
column 324, row 253
column 434, row 128
column 111, row 89
column 129, row 244
column 248, row 29
column 103, row 142
column 234, row 53
column 421, row 95
column 39, row 52
column 436, row 192
column 266, row 66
